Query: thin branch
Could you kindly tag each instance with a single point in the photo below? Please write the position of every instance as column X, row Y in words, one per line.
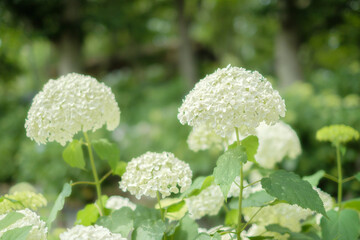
column 105, row 176
column 332, row 178
column 348, row 179
column 252, row 183
column 83, row 182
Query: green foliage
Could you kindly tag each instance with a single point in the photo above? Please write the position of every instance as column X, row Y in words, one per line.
column 88, row 215
column 199, row 184
column 149, row 229
column 142, row 213
column 256, row 199
column 188, row 229
column 120, row 168
column 120, row 221
column 73, row 154
column 228, row 168
column 21, row 200
column 231, row 217
column 357, row 176
column 107, row 151
column 176, row 211
column 251, row 144
column 343, row 225
column 205, row 236
column 283, row 230
column 9, row 219
column 315, row 178
column 59, row 204
column 17, row 233
column 352, row 204
column 291, row 188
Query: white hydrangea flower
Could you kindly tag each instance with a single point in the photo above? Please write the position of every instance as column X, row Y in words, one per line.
column 80, row 232
column 156, row 172
column 38, row 230
column 70, row 104
column 276, row 142
column 117, row 202
column 232, row 97
column 203, row 137
column 256, row 230
column 208, row 202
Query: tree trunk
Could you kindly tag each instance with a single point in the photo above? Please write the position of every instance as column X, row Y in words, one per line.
column 186, row 54
column 288, row 67
column 71, row 38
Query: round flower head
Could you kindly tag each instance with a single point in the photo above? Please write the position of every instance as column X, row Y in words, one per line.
column 232, row 97
column 117, row 202
column 276, row 142
column 80, row 232
column 203, row 137
column 156, row 172
column 38, row 230
column 337, row 134
column 21, row 200
column 70, row 104
column 208, row 202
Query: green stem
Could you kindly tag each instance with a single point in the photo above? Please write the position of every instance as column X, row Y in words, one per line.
column 253, row 216
column 348, row 179
column 239, row 228
column 82, row 182
column 106, row 176
column 332, row 178
column 338, row 159
column 96, row 178
column 162, row 213
column 253, row 183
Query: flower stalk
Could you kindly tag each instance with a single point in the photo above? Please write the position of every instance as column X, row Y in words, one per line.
column 96, row 178
column 239, row 228
column 339, row 180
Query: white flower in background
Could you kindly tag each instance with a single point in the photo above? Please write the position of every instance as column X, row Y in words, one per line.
column 21, row 200
column 203, row 137
column 208, row 202
column 256, row 230
column 276, row 142
column 70, row 104
column 80, row 232
column 38, row 230
column 232, row 97
column 117, row 202
column 156, row 172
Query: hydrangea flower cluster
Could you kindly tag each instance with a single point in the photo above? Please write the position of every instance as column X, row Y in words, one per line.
column 70, row 104
column 38, row 230
column 117, row 202
column 276, row 142
column 156, row 172
column 232, row 97
column 26, row 199
column 203, row 137
column 80, row 232
column 208, row 202
column 337, row 134
column 228, row 236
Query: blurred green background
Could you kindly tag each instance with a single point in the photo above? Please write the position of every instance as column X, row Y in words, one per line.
column 152, row 52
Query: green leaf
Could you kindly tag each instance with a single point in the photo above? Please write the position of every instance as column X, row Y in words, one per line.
column 88, row 215
column 251, row 144
column 107, row 151
column 17, row 233
column 291, row 188
column 283, row 230
column 120, row 168
column 198, row 185
column 73, row 154
column 256, row 199
column 352, row 204
column 315, row 178
column 260, row 237
column 176, row 211
column 228, row 167
column 357, row 176
column 340, row 226
column 9, row 219
column 150, row 230
column 120, row 221
column 231, row 217
column 188, row 229
column 59, row 204
column 205, row 236
column 142, row 213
